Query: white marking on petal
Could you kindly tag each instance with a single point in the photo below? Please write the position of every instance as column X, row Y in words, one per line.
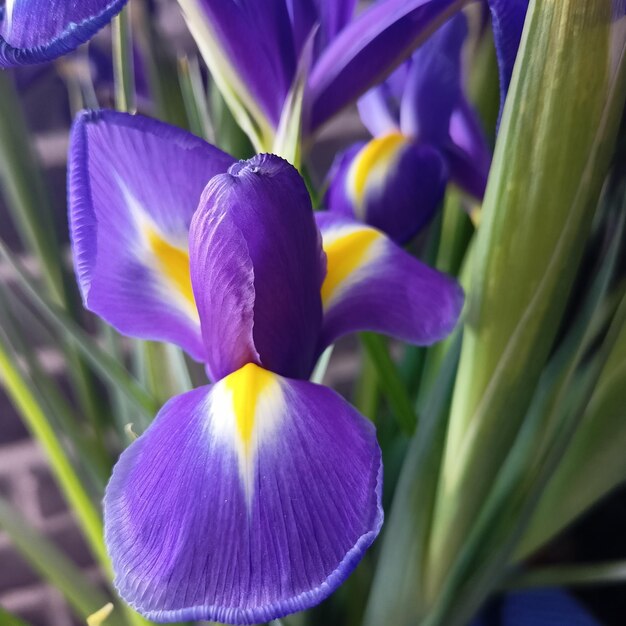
column 269, row 413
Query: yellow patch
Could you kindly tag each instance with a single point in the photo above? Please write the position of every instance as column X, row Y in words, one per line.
column 247, row 386
column 372, row 163
column 98, row 618
column 172, row 262
column 346, row 254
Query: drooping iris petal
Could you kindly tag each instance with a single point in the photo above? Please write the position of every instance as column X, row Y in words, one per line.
column 390, row 183
column 257, row 267
column 467, row 153
column 252, row 42
column 134, row 185
column 33, row 31
column 367, row 48
column 433, row 88
column 244, row 501
column 507, row 17
column 372, row 284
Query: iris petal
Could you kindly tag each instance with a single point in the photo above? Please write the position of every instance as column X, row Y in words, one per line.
column 390, row 183
column 536, row 607
column 33, row 31
column 377, row 286
column 433, row 88
column 507, row 17
column 134, row 185
column 244, row 501
column 250, row 45
column 257, row 267
column 369, row 47
column 467, row 153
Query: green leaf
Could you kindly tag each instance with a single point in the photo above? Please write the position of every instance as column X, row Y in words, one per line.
column 599, row 442
column 195, row 98
column 390, row 381
column 588, row 574
column 555, row 140
column 22, row 395
column 396, row 596
column 24, row 189
column 123, row 66
column 8, row 619
column 101, row 361
column 51, row 564
column 287, row 142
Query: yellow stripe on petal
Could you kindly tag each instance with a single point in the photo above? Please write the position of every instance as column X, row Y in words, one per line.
column 169, row 260
column 247, row 385
column 172, row 261
column 247, row 407
column 370, row 168
column 346, row 254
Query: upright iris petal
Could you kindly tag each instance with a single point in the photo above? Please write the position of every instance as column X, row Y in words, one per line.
column 508, row 18
column 425, row 132
column 390, row 183
column 32, row 31
column 259, row 215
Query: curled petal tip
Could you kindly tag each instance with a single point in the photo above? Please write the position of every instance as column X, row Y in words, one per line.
column 34, row 31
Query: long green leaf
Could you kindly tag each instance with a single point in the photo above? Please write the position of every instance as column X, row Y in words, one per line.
column 21, row 393
column 123, row 67
column 102, row 362
column 526, row 256
column 51, row 564
column 390, row 381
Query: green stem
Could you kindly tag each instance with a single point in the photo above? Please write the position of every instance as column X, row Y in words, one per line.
column 101, row 361
column 390, row 381
column 24, row 189
column 52, row 564
column 612, row 572
column 20, row 392
column 367, row 394
column 123, row 70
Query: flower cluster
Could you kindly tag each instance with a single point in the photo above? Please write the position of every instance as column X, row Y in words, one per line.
column 256, row 495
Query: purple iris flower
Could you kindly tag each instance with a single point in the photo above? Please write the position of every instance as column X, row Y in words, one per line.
column 257, row 495
column 33, row 31
column 425, row 132
column 254, row 49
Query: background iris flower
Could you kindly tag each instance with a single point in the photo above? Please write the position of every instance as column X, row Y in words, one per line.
column 256, row 496
column 425, row 132
column 255, row 51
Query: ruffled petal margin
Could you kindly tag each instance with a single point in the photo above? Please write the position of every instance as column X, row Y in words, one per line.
column 34, row 31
